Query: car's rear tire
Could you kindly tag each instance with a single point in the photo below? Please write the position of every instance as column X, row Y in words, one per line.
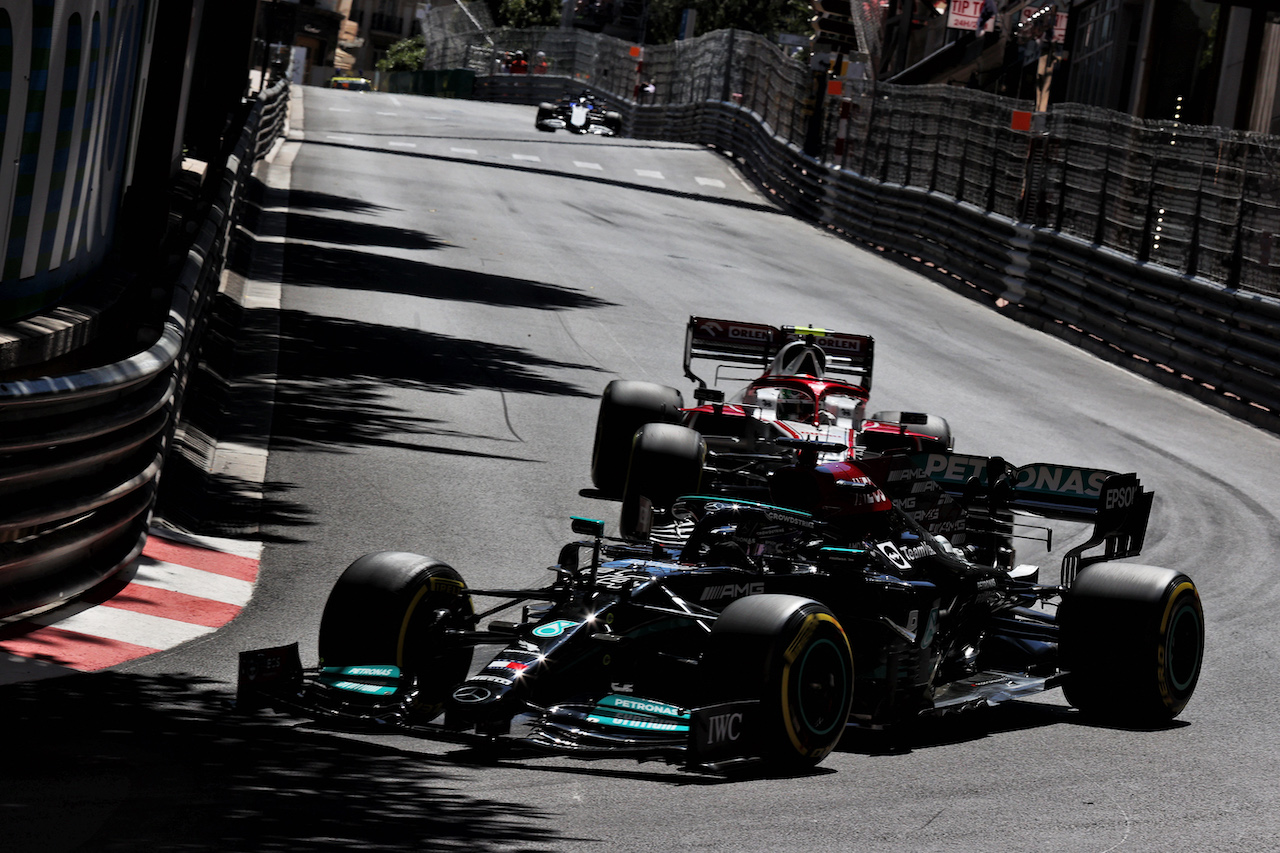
column 625, row 406
column 792, row 654
column 666, row 462
column 613, row 121
column 1132, row 642
column 391, row 607
column 545, row 111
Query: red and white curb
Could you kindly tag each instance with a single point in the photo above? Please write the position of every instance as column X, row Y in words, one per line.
column 181, row 588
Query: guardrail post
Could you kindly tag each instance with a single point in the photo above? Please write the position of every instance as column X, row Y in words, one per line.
column 1144, row 251
column 726, row 88
column 1234, row 267
column 1193, row 249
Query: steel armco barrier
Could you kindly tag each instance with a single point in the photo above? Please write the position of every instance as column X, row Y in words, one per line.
column 81, row 454
column 1216, row 343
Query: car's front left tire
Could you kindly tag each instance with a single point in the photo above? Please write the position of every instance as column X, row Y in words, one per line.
column 793, row 655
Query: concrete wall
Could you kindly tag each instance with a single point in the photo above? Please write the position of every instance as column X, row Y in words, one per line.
column 69, row 80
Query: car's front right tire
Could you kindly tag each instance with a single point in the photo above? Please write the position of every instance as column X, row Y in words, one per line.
column 625, row 406
column 397, row 608
column 666, row 463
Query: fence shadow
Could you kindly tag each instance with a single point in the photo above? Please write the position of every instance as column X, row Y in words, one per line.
column 335, row 373
column 330, row 392
column 354, row 269
column 334, row 395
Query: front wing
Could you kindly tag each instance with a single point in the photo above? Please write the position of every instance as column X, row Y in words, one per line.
column 381, row 696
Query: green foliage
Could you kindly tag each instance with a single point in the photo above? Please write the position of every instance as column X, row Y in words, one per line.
column 523, row 14
column 406, row 55
column 767, row 17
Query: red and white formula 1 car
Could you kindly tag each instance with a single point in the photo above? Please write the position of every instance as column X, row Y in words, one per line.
column 812, row 393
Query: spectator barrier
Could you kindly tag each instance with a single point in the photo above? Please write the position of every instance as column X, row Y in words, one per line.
column 1149, row 244
column 81, row 454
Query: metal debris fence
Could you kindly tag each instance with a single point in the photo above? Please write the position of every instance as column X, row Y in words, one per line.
column 1200, row 201
column 1152, row 244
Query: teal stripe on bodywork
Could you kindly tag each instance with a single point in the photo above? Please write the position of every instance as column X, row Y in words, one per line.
column 640, row 714
column 369, row 680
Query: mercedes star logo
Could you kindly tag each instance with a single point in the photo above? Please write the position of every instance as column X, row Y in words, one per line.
column 472, row 693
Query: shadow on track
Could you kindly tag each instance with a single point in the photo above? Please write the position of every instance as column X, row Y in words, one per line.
column 337, row 370
column 975, row 725
column 311, row 200
column 353, row 269
column 114, row 762
column 333, row 397
column 329, row 229
column 761, row 207
column 957, row 728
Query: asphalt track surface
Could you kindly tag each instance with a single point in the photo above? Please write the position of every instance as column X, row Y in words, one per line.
column 451, row 309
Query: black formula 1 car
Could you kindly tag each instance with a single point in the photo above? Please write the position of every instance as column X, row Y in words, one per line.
column 772, row 627
column 807, row 382
column 581, row 113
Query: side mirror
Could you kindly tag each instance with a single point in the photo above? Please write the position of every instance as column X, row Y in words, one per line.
column 568, row 561
column 587, row 526
column 708, row 395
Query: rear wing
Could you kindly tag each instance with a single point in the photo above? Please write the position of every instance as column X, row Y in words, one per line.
column 755, row 345
column 1116, row 504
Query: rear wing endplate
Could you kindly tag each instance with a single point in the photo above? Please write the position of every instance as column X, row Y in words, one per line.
column 755, row 345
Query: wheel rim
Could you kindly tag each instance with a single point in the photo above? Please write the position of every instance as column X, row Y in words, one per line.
column 822, row 687
column 1184, row 647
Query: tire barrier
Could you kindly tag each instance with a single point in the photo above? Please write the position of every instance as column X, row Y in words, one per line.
column 81, row 454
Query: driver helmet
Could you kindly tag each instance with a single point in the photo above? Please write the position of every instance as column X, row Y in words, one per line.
column 794, row 405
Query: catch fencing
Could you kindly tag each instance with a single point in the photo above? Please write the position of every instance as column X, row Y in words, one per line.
column 81, row 454
column 1153, row 244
